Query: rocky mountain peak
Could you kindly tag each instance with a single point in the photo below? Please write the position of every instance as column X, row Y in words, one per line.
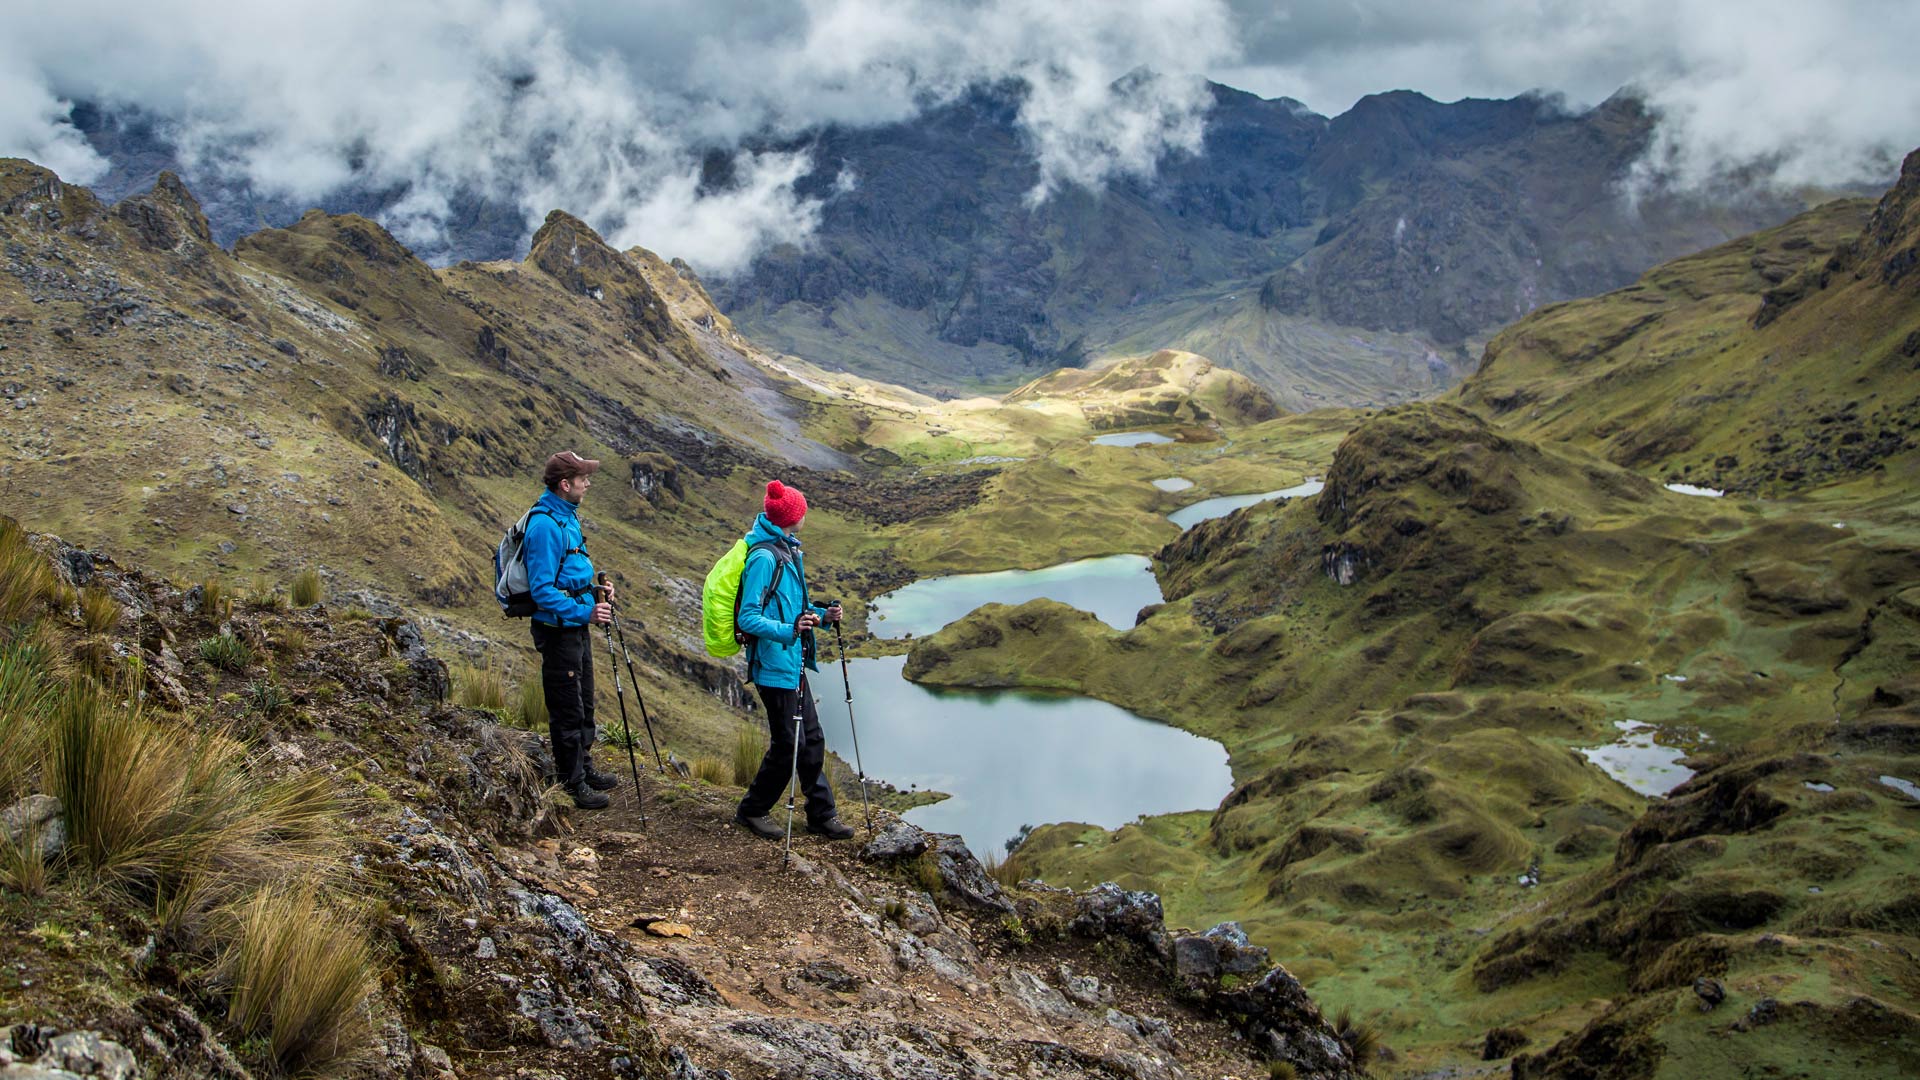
column 166, row 215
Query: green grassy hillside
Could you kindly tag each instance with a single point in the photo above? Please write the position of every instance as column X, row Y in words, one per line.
column 1407, row 667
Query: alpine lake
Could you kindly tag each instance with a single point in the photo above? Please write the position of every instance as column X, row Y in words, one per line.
column 1013, row 758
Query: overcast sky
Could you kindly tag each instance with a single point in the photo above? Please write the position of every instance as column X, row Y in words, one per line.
column 596, row 106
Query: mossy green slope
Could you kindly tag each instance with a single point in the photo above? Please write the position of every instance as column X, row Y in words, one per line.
column 1779, row 361
column 1404, row 667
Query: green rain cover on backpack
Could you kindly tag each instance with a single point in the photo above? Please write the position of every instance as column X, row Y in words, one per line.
column 720, row 598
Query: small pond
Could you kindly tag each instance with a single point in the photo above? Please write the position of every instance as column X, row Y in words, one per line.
column 1113, row 587
column 1012, row 758
column 1904, row 787
column 1173, row 483
column 1639, row 762
column 1188, row 516
column 1132, row 438
column 1689, row 489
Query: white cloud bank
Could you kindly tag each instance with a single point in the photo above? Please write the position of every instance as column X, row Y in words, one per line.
column 605, row 110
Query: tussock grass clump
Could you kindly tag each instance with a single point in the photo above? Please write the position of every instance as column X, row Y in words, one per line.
column 100, row 613
column 300, row 973
column 263, row 596
column 1360, row 1036
column 479, row 687
column 26, row 580
column 27, row 695
column 749, row 746
column 533, row 705
column 306, row 589
column 926, row 874
column 713, row 770
column 291, row 642
column 175, row 813
column 23, row 866
column 216, row 603
column 1005, row 872
column 226, row 652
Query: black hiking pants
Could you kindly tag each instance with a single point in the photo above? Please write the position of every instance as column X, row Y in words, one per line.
column 566, row 674
column 783, row 708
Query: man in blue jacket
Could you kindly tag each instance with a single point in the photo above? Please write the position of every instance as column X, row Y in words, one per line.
column 775, row 613
column 560, row 575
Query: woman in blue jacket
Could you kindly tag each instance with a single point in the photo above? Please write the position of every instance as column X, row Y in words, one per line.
column 779, row 620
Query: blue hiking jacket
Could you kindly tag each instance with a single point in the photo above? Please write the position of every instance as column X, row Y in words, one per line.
column 777, row 654
column 558, row 570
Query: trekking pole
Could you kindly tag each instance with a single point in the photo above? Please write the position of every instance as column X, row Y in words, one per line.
column 793, row 784
column 621, row 636
column 620, row 694
column 847, row 683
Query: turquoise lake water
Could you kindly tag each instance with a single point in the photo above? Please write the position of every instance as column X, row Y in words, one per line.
column 1132, row 438
column 1013, row 758
column 1113, row 587
column 1188, row 516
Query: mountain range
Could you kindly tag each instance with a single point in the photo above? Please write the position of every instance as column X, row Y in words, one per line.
column 1348, row 260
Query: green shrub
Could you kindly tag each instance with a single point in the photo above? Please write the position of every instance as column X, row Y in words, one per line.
column 533, row 705
column 306, row 589
column 266, row 697
column 100, row 613
column 479, row 687
column 26, row 580
column 713, row 770
column 226, row 652
column 300, row 974
column 1281, row 1070
column 749, row 746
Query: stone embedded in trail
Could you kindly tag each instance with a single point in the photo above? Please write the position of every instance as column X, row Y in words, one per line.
column 965, row 878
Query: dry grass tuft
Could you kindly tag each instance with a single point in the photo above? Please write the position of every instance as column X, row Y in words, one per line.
column 1361, row 1037
column 263, row 596
column 479, row 687
column 171, row 812
column 26, row 580
column 100, row 613
column 713, row 770
column 749, row 746
column 291, row 642
column 23, row 866
column 215, row 602
column 306, row 589
column 300, row 974
column 533, row 705
column 1005, row 872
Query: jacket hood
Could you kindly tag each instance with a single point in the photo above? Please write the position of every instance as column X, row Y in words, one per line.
column 764, row 530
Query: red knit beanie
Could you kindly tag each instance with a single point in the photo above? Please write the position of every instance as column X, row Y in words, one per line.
column 785, row 505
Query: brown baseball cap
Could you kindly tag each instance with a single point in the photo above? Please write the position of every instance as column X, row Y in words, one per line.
column 566, row 465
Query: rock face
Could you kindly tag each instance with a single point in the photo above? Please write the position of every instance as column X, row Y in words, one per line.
column 36, row 820
column 36, row 1052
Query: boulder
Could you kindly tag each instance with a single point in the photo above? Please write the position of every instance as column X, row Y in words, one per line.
column 1107, row 910
column 896, row 842
column 39, row 820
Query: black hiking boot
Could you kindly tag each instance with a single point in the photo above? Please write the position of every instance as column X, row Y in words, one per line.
column 832, row 828
column 762, row 827
column 600, row 781
column 585, row 797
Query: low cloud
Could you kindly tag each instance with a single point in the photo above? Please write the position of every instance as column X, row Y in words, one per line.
column 611, row 111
